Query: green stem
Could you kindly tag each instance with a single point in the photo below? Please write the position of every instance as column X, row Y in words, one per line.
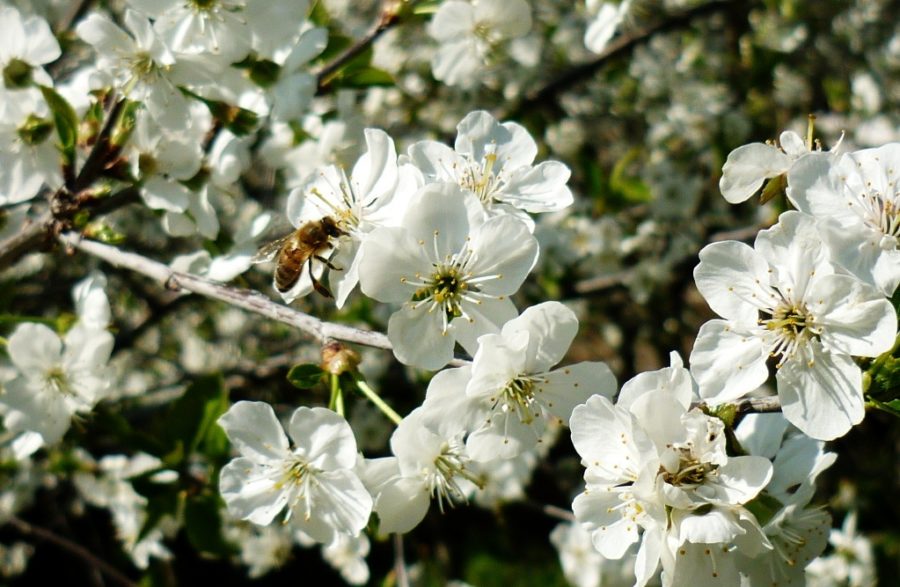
column 13, row 319
column 874, row 403
column 337, row 397
column 811, row 132
column 376, row 399
column 3, row 341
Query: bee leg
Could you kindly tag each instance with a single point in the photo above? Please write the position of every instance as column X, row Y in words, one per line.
column 327, row 263
column 317, row 285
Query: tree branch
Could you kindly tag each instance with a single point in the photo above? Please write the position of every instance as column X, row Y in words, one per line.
column 247, row 299
column 617, row 47
column 390, row 16
column 69, row 546
column 34, row 233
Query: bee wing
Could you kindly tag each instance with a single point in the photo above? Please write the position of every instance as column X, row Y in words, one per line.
column 269, row 251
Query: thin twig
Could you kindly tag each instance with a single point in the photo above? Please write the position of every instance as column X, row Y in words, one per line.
column 617, row 47
column 400, row 562
column 592, row 284
column 35, row 232
column 76, row 549
column 389, row 17
column 558, row 512
column 746, row 233
column 757, row 405
column 247, row 299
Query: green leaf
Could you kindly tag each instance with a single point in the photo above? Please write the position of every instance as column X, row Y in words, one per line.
column 126, row 124
column 160, row 505
column 305, row 376
column 66, row 122
column 775, row 187
column 203, row 525
column 191, row 424
column 365, row 77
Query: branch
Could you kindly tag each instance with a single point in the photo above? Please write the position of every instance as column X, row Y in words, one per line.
column 34, row 233
column 247, row 299
column 390, row 16
column 617, row 47
column 757, row 405
column 73, row 548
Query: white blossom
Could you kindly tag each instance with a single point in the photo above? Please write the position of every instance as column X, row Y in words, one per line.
column 470, row 32
column 784, row 299
column 494, row 161
column 858, row 196
column 315, row 481
column 452, row 269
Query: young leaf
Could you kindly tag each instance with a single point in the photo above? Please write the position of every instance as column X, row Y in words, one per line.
column 305, row 376
column 66, row 122
column 203, row 525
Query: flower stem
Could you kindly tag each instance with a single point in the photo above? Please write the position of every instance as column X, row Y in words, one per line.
column 337, row 397
column 376, row 399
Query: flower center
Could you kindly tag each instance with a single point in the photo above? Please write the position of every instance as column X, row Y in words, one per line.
column 296, row 477
column 793, row 326
column 442, row 481
column 691, row 472
column 450, row 283
column 481, row 180
column 34, row 130
column 205, row 5
column 143, row 67
column 519, row 397
column 56, row 380
column 881, row 213
column 17, row 74
column 348, row 215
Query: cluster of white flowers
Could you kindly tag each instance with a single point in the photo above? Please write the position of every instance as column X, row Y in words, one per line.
column 56, row 379
column 811, row 307
column 211, row 107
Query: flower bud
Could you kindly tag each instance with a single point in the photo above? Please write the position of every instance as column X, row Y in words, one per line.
column 338, row 359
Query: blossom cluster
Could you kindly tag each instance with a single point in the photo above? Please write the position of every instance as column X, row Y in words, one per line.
column 190, row 130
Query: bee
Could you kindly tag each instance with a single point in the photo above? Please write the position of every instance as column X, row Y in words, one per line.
column 300, row 248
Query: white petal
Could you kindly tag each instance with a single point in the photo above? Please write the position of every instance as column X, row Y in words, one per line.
column 249, row 492
column 34, row 348
column 324, row 437
column 742, row 478
column 718, row 525
column 856, row 319
column 454, row 18
column 160, row 193
column 341, row 505
column 734, row 280
column 484, row 318
column 437, row 161
column 255, row 431
column 728, row 361
column 418, row 338
column 457, row 63
column 565, row 388
column 541, row 188
column 375, row 175
column 824, row 400
column 506, row 249
column 611, row 533
column 761, row 434
column 401, row 504
column 389, row 258
column 792, row 144
column 747, row 167
column 550, row 328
